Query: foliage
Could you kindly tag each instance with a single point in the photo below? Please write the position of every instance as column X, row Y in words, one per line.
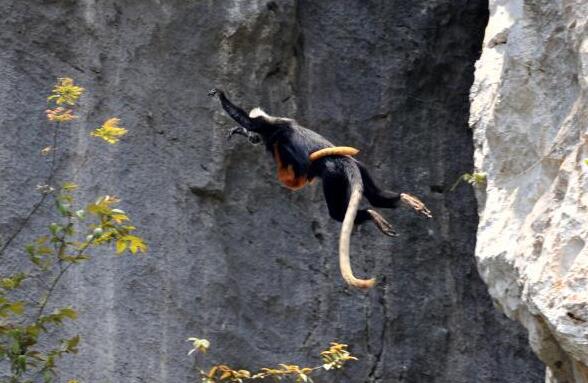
column 65, row 92
column 110, row 131
column 334, row 357
column 29, row 341
column 475, row 179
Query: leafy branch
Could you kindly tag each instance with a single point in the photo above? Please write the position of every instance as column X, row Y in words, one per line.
column 27, row 342
column 335, row 357
column 475, row 179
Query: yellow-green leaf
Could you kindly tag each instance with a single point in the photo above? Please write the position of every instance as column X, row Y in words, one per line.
column 110, row 131
column 72, row 344
column 103, row 205
column 16, row 307
column 68, row 312
column 65, row 92
column 119, row 218
column 69, row 186
column 135, row 243
column 121, row 245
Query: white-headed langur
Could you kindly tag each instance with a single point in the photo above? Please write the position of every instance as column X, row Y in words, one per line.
column 301, row 155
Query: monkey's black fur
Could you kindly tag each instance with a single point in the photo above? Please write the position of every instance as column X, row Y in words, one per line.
column 295, row 143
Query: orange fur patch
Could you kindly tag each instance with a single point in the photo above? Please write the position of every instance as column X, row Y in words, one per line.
column 335, row 151
column 286, row 174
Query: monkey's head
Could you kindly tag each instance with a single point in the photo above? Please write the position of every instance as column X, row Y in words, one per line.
column 261, row 117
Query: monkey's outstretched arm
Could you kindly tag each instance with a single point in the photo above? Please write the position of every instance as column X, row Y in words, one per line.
column 234, row 111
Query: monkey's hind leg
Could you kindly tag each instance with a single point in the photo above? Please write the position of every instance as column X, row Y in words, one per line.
column 416, row 204
column 384, row 226
column 336, row 190
column 390, row 199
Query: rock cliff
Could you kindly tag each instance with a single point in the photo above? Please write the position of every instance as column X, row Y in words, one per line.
column 529, row 117
column 234, row 257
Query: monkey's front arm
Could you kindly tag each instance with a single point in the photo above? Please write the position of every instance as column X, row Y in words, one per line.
column 234, row 111
column 247, row 126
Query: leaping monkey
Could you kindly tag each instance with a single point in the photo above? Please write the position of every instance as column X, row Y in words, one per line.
column 301, row 155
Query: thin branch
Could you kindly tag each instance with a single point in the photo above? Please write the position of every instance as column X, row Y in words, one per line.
column 39, row 203
column 60, row 275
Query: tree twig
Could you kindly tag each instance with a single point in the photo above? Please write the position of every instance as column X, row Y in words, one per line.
column 39, row 203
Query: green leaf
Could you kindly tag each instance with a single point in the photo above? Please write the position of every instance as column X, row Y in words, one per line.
column 44, row 250
column 30, row 249
column 15, row 348
column 33, row 330
column 42, row 240
column 47, row 376
column 66, row 198
column 54, row 228
column 68, row 312
column 21, row 363
column 12, row 282
column 63, row 209
column 17, row 307
column 72, row 344
column 69, row 186
column 7, row 283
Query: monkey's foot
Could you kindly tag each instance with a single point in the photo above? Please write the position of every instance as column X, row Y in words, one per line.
column 384, row 226
column 416, row 204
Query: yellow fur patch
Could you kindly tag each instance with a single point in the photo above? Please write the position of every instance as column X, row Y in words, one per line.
column 335, row 151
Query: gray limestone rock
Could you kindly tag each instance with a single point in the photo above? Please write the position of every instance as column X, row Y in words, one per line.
column 529, row 117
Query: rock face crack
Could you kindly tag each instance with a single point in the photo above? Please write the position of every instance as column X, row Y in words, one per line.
column 377, row 354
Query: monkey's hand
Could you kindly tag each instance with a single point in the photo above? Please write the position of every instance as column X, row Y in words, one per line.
column 252, row 137
column 214, row 91
column 237, row 130
column 416, row 204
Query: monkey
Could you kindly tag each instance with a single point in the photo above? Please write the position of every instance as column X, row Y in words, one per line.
column 302, row 155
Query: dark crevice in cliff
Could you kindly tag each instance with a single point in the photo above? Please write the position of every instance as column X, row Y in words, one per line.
column 411, row 92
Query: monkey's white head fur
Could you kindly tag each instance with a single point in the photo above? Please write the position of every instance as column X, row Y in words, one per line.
column 258, row 112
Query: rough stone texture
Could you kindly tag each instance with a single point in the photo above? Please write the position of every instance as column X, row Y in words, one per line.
column 529, row 115
column 235, row 257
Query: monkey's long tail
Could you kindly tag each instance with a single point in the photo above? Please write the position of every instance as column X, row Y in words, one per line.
column 345, row 238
